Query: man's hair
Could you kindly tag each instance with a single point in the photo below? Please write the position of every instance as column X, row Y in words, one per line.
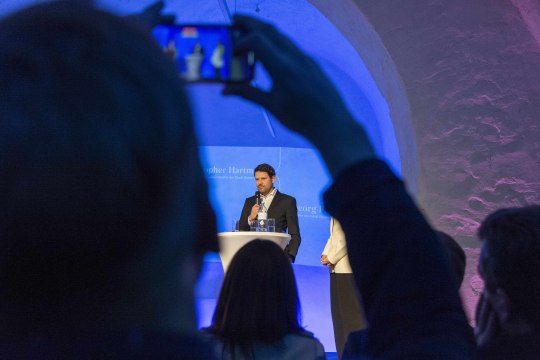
column 511, row 258
column 258, row 301
column 265, row 168
column 96, row 141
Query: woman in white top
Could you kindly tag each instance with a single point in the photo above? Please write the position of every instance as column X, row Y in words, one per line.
column 347, row 312
column 257, row 313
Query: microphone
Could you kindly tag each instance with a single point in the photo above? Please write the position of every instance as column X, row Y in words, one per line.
column 257, row 197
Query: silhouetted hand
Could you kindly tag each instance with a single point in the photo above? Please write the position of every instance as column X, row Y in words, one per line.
column 302, row 97
column 152, row 16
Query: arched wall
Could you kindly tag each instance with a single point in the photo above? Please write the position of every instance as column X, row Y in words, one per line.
column 470, row 71
column 356, row 28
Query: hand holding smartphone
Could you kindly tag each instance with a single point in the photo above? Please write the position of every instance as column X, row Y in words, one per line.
column 204, row 53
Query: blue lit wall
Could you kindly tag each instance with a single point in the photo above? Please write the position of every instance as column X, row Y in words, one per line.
column 236, row 134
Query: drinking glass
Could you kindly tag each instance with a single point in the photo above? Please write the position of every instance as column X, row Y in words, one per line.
column 271, row 223
column 235, row 225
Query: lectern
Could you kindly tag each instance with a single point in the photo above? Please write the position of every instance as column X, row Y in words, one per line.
column 231, row 242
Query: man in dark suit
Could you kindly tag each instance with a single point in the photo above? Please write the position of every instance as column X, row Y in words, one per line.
column 277, row 205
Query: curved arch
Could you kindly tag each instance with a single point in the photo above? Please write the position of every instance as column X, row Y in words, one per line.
column 356, row 28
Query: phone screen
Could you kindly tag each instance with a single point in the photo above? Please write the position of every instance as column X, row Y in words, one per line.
column 204, row 53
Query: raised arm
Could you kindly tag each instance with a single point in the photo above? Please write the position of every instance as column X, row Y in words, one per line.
column 412, row 305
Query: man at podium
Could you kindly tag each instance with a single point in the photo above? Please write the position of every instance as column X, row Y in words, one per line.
column 269, row 202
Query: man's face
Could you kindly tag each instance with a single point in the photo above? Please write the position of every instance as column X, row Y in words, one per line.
column 264, row 182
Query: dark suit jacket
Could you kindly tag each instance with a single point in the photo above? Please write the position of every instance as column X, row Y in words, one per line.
column 283, row 209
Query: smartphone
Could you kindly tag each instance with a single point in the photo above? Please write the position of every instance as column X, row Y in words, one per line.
column 204, row 53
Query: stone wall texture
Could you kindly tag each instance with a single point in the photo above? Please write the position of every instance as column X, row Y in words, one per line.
column 471, row 74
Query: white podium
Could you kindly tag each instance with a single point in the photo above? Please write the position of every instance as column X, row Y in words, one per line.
column 231, row 242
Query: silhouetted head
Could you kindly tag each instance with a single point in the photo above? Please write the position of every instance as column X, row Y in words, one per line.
column 510, row 263
column 258, row 301
column 101, row 189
